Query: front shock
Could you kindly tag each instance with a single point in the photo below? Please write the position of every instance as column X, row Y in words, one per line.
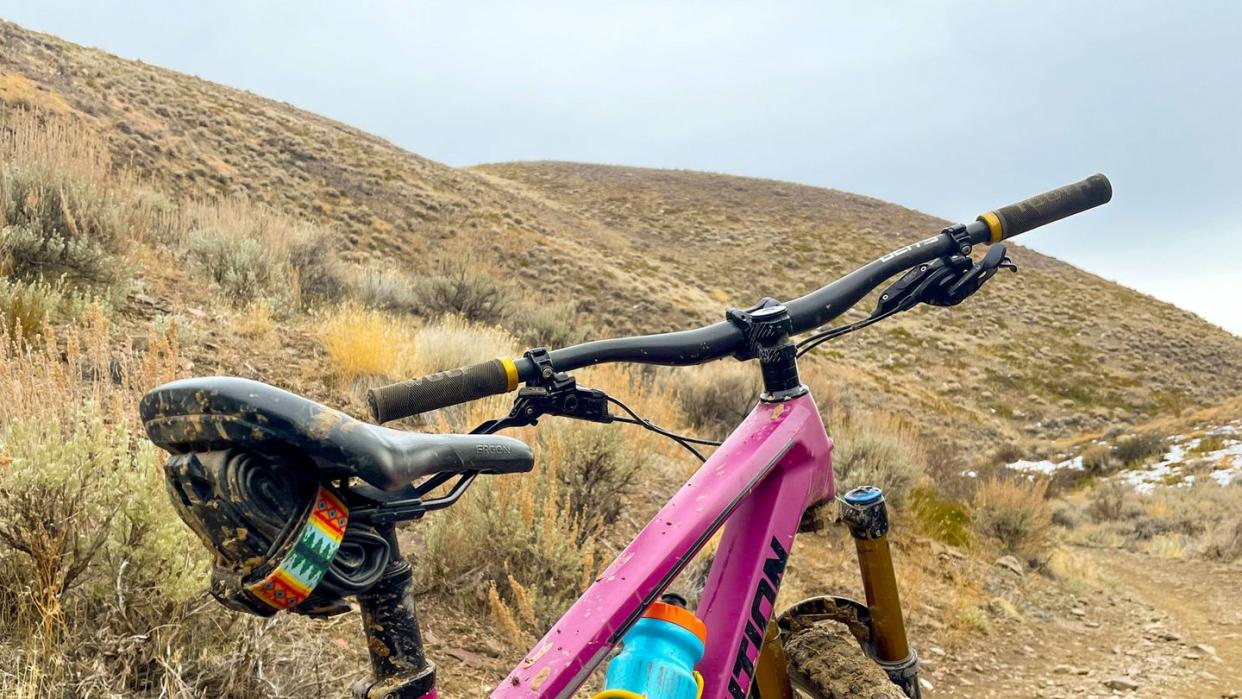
column 865, row 513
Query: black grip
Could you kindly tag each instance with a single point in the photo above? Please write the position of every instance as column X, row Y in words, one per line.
column 1008, row 221
column 452, row 387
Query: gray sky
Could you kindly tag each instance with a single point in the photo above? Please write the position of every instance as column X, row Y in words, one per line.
column 950, row 108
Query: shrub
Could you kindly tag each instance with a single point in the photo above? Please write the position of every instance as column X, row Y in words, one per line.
column 874, row 449
column 1097, row 459
column 31, row 256
column 1007, row 453
column 1108, row 501
column 253, row 254
column 30, row 305
column 385, row 289
column 941, row 518
column 596, row 471
column 1065, row 514
column 457, row 290
column 63, row 211
column 718, row 396
column 313, row 260
column 176, row 326
column 1137, row 449
column 1224, row 543
column 1014, row 514
column 243, row 268
column 510, row 525
column 552, row 325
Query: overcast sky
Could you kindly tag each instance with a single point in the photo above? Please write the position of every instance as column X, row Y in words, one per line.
column 950, row 108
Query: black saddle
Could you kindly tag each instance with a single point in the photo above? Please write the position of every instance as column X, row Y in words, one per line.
column 206, row 414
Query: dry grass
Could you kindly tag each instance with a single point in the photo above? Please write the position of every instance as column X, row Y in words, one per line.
column 379, row 287
column 64, row 212
column 718, row 396
column 253, row 254
column 363, row 344
column 1171, row 522
column 879, row 450
column 1015, row 515
column 452, row 342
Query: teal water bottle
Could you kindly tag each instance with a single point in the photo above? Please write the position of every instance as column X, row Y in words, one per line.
column 658, row 657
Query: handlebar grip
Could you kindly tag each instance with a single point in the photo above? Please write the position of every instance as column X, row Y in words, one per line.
column 1008, row 221
column 452, row 387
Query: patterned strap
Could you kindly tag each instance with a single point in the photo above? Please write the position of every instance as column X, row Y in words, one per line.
column 304, row 566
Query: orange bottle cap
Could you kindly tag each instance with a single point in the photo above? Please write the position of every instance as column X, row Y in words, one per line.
column 679, row 616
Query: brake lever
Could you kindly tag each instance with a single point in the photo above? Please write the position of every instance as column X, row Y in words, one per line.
column 914, row 286
column 973, row 278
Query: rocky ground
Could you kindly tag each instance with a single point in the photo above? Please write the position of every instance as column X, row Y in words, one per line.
column 1151, row 628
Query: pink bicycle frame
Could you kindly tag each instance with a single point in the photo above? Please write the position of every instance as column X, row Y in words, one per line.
column 760, row 481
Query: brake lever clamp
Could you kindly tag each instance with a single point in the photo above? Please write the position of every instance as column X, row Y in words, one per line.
column 551, row 393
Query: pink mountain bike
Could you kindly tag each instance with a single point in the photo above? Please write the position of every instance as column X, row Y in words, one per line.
column 299, row 503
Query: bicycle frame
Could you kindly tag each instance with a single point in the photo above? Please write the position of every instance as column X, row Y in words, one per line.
column 774, row 466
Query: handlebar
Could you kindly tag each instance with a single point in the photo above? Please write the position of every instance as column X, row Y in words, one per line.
column 1008, row 221
column 686, row 347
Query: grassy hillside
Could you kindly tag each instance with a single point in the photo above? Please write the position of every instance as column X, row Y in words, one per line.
column 153, row 225
column 1049, row 353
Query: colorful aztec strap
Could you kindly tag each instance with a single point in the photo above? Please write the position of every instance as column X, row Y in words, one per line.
column 304, row 566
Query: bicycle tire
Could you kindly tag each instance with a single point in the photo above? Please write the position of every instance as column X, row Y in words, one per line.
column 825, row 662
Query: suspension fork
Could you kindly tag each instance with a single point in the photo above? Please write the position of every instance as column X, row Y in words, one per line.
column 865, row 513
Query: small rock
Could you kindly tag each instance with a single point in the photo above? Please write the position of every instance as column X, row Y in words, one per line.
column 1062, row 670
column 1205, row 649
column 1193, row 656
column 1121, row 684
column 1091, row 624
column 1078, row 611
column 1012, row 564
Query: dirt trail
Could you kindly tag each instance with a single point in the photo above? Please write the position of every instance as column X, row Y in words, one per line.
column 1201, row 600
column 1149, row 627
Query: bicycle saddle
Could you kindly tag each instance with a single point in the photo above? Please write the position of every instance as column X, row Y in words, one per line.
column 205, row 414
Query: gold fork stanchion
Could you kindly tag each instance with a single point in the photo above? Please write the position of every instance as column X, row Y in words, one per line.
column 864, row 511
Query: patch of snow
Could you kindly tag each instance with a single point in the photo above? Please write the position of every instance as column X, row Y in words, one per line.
column 1045, row 466
column 1171, row 469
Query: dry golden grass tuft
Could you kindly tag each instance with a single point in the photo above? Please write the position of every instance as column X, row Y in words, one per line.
column 365, row 344
column 1014, row 514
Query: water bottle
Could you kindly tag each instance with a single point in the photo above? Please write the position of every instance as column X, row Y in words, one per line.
column 658, row 657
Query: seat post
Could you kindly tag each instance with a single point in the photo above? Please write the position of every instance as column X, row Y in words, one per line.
column 400, row 666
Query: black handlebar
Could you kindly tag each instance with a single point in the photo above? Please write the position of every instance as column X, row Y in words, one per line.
column 686, row 347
